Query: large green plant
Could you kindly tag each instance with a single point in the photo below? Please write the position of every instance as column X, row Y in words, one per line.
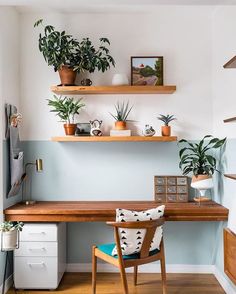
column 58, row 48
column 66, row 108
column 196, row 158
column 122, row 111
column 91, row 58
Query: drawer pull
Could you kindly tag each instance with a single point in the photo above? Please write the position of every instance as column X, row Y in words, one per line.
column 37, row 249
column 38, row 233
column 41, row 264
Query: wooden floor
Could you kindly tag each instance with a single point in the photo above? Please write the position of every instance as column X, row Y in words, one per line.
column 80, row 283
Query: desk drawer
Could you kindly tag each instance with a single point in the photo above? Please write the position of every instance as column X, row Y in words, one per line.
column 39, row 232
column 36, row 272
column 37, row 249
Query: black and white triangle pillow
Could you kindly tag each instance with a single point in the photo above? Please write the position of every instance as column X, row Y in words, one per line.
column 131, row 240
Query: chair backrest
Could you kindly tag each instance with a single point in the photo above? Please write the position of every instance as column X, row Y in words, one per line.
column 150, row 226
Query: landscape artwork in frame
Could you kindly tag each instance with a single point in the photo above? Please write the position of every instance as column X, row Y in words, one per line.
column 147, row 71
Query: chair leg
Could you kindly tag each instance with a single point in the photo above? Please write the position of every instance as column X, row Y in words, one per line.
column 94, row 270
column 163, row 274
column 124, row 279
column 135, row 275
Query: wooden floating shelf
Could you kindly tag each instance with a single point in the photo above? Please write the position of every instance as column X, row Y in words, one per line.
column 114, row 139
column 79, row 90
column 231, row 63
column 230, row 119
column 230, row 176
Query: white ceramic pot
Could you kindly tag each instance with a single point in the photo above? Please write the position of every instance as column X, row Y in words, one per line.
column 120, row 79
column 9, row 240
column 202, row 183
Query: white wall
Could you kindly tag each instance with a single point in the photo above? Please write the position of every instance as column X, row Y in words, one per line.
column 181, row 34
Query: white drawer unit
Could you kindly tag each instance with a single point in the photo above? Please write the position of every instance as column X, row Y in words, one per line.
column 40, row 261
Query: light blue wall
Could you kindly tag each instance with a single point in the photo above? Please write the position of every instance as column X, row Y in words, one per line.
column 114, row 171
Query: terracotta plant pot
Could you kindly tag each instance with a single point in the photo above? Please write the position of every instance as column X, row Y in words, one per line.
column 70, row 129
column 166, row 130
column 120, row 125
column 67, row 76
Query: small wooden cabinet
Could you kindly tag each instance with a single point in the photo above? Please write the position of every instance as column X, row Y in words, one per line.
column 40, row 261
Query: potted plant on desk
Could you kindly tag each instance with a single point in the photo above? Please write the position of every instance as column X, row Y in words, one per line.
column 196, row 158
column 66, row 108
column 9, row 231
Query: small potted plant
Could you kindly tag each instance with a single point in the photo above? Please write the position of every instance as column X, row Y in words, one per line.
column 66, row 108
column 121, row 116
column 9, row 231
column 60, row 51
column 196, row 158
column 166, row 129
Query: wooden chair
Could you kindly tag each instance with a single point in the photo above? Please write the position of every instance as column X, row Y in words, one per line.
column 133, row 260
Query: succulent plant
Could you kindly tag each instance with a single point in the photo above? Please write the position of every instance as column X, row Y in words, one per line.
column 122, row 111
column 166, row 118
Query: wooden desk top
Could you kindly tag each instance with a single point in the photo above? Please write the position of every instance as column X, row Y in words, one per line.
column 91, row 211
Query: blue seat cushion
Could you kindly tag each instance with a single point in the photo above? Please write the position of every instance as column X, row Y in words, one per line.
column 107, row 249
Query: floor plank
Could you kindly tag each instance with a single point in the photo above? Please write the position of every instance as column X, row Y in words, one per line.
column 80, row 283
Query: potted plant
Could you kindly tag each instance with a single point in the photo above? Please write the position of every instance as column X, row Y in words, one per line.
column 9, row 231
column 59, row 51
column 66, row 108
column 166, row 129
column 196, row 158
column 121, row 116
column 91, row 58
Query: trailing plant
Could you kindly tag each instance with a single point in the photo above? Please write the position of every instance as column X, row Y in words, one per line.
column 11, row 226
column 58, row 48
column 65, row 107
column 196, row 157
column 91, row 58
column 166, row 118
column 122, row 111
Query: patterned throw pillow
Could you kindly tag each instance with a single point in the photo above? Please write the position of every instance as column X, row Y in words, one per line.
column 131, row 240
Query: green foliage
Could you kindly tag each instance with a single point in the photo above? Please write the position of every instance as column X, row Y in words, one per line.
column 59, row 49
column 166, row 118
column 91, row 58
column 66, row 108
column 195, row 157
column 159, row 71
column 122, row 111
column 11, row 226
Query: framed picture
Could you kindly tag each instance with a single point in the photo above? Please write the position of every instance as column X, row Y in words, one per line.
column 146, row 71
column 83, row 129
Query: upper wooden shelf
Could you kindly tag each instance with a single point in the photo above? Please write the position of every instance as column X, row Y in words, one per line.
column 230, row 176
column 114, row 139
column 79, row 90
column 231, row 63
column 231, row 119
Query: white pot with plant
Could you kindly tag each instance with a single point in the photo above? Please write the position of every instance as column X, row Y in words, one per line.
column 197, row 158
column 121, row 116
column 66, row 108
column 166, row 119
column 9, row 235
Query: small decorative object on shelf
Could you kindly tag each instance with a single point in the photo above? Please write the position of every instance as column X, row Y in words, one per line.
column 121, row 116
column 68, row 56
column 166, row 129
column 9, row 235
column 83, row 129
column 196, row 158
column 120, row 79
column 148, row 131
column 86, row 82
column 95, row 127
column 147, row 71
column 66, row 108
column 171, row 188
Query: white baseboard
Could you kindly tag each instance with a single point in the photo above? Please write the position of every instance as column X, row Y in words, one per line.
column 8, row 284
column 224, row 282
column 147, row 268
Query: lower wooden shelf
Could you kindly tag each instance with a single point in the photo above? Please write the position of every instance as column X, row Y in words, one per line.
column 114, row 139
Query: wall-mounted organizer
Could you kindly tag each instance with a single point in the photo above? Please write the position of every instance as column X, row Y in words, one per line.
column 171, row 188
column 16, row 156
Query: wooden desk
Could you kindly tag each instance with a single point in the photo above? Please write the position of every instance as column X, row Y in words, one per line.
column 91, row 211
